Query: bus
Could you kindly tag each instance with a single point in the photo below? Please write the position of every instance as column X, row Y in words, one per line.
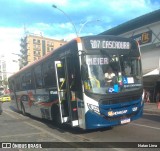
column 71, row 84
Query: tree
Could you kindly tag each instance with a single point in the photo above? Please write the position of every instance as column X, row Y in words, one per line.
column 23, row 56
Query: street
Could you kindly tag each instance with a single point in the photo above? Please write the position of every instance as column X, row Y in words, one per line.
column 18, row 128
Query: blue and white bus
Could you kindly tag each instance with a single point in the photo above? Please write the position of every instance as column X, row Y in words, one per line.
column 74, row 83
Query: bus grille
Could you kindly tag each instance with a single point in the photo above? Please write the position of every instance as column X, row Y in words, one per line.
column 109, row 101
column 120, row 117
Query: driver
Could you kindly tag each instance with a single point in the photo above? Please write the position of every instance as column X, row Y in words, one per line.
column 109, row 75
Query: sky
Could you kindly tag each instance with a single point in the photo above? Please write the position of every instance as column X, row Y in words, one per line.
column 89, row 17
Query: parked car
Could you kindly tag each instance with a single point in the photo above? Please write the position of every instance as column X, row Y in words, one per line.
column 5, row 98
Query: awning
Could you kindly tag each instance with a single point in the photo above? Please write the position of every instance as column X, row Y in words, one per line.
column 150, row 79
column 152, row 73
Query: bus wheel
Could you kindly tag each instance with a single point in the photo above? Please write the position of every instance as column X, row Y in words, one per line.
column 23, row 109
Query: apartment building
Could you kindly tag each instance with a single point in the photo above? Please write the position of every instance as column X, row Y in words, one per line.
column 33, row 47
column 3, row 74
column 8, row 67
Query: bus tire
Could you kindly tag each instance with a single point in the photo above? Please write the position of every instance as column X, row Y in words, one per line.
column 23, row 109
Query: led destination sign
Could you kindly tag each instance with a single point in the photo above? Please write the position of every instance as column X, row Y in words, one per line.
column 97, row 61
column 103, row 44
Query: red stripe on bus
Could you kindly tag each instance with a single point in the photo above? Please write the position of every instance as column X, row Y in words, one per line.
column 48, row 103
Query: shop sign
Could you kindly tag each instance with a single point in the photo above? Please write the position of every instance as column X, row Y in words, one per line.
column 143, row 38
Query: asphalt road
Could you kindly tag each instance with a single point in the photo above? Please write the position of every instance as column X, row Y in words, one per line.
column 15, row 127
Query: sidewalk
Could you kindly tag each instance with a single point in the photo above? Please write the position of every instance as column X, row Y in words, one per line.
column 151, row 108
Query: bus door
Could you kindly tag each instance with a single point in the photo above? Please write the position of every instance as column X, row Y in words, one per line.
column 66, row 93
column 61, row 88
column 71, row 89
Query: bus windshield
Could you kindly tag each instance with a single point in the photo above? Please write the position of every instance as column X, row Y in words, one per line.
column 111, row 73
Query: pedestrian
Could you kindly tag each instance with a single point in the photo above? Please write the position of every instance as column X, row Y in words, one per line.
column 148, row 97
column 158, row 100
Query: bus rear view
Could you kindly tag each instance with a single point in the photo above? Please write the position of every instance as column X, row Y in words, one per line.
column 112, row 82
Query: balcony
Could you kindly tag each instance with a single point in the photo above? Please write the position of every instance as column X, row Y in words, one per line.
column 36, row 49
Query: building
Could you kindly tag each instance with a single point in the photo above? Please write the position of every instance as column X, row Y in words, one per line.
column 7, row 68
column 3, row 74
column 146, row 30
column 33, row 47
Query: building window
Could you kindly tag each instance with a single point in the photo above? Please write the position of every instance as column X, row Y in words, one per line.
column 34, row 41
column 34, row 46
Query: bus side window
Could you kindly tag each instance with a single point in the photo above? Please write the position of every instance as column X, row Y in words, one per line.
column 38, row 76
column 10, row 85
column 49, row 73
column 23, row 82
column 29, row 80
column 18, row 83
column 13, row 85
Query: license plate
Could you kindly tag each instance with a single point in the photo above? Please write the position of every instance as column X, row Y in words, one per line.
column 125, row 121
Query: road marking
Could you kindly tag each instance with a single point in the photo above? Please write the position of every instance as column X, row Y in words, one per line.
column 10, row 115
column 27, row 134
column 157, row 128
column 151, row 114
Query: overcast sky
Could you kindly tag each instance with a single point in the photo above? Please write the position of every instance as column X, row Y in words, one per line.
column 38, row 16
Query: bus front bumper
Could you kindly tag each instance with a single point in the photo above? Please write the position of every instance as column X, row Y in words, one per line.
column 94, row 120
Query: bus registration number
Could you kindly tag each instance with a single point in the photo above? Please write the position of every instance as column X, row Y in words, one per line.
column 125, row 121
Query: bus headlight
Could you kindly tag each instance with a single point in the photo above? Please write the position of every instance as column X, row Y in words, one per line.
column 93, row 108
